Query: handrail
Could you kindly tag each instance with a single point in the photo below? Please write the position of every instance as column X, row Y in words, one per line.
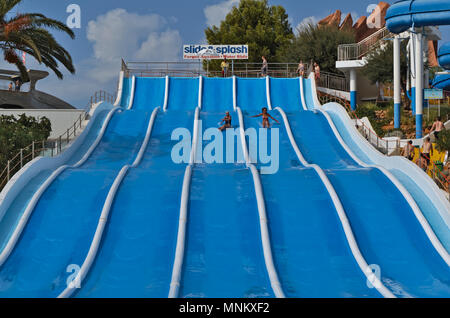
column 417, row 212
column 355, row 51
column 353, row 244
column 95, row 244
column 265, row 237
column 184, row 203
column 37, row 195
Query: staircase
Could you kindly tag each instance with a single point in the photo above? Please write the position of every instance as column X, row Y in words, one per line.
column 356, row 51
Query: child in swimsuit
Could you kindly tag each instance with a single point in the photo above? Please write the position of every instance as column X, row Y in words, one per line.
column 227, row 120
column 265, row 115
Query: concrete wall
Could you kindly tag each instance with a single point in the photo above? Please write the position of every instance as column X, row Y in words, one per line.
column 61, row 119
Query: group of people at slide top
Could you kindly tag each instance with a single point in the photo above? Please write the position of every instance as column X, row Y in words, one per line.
column 264, row 114
column 315, row 69
column 426, row 152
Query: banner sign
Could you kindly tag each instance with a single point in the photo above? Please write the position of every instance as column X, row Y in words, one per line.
column 215, row 52
column 433, row 93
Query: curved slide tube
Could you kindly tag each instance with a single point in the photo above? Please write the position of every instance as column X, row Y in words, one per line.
column 405, row 14
column 79, row 278
column 441, row 81
column 444, row 56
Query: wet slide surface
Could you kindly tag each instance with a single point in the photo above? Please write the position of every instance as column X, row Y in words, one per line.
column 409, row 264
column 63, row 222
column 138, row 246
column 285, row 93
column 223, row 256
column 311, row 253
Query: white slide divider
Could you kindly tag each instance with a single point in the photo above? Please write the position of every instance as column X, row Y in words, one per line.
column 417, row 212
column 263, row 222
column 166, row 94
column 314, row 90
column 363, row 265
column 120, row 89
column 133, row 89
column 184, row 205
column 269, row 101
column 200, row 91
column 234, row 93
column 104, row 216
column 37, row 195
column 302, row 94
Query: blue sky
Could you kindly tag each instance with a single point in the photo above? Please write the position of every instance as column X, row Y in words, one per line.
column 148, row 30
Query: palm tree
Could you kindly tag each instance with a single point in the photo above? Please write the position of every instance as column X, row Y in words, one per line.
column 28, row 32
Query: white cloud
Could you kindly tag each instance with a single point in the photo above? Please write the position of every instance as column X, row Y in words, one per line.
column 120, row 34
column 114, row 35
column 216, row 13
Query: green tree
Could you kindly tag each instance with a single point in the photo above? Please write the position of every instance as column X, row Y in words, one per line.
column 265, row 29
column 18, row 133
column 318, row 44
column 380, row 65
column 28, row 32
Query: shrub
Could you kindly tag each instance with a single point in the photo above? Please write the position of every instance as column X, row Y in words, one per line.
column 443, row 143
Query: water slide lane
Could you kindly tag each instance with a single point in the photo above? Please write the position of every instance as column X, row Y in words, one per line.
column 217, row 94
column 285, row 93
column 251, row 93
column 138, row 245
column 311, row 252
column 9, row 221
column 409, row 263
column 149, row 93
column 183, row 93
column 126, row 92
column 61, row 226
column 223, row 254
column 307, row 89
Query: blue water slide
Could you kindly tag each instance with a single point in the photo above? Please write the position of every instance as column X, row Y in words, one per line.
column 251, row 93
column 138, row 246
column 405, row 14
column 444, row 55
column 63, row 221
column 441, row 81
column 311, row 252
column 126, row 91
column 285, row 93
column 149, row 93
column 183, row 93
column 308, row 93
column 374, row 205
column 217, row 94
column 223, row 253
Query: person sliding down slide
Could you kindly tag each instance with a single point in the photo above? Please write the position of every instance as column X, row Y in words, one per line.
column 265, row 115
column 227, row 120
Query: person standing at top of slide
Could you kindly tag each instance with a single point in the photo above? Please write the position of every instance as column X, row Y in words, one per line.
column 316, row 71
column 437, row 127
column 301, row 69
column 224, row 65
column 264, row 67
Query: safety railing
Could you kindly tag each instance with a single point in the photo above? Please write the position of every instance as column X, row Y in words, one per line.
column 194, row 69
column 51, row 147
column 355, row 51
column 388, row 147
column 334, row 81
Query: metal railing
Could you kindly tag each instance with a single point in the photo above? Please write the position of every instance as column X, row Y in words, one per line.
column 194, row 69
column 50, row 147
column 334, row 81
column 356, row 51
column 387, row 147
